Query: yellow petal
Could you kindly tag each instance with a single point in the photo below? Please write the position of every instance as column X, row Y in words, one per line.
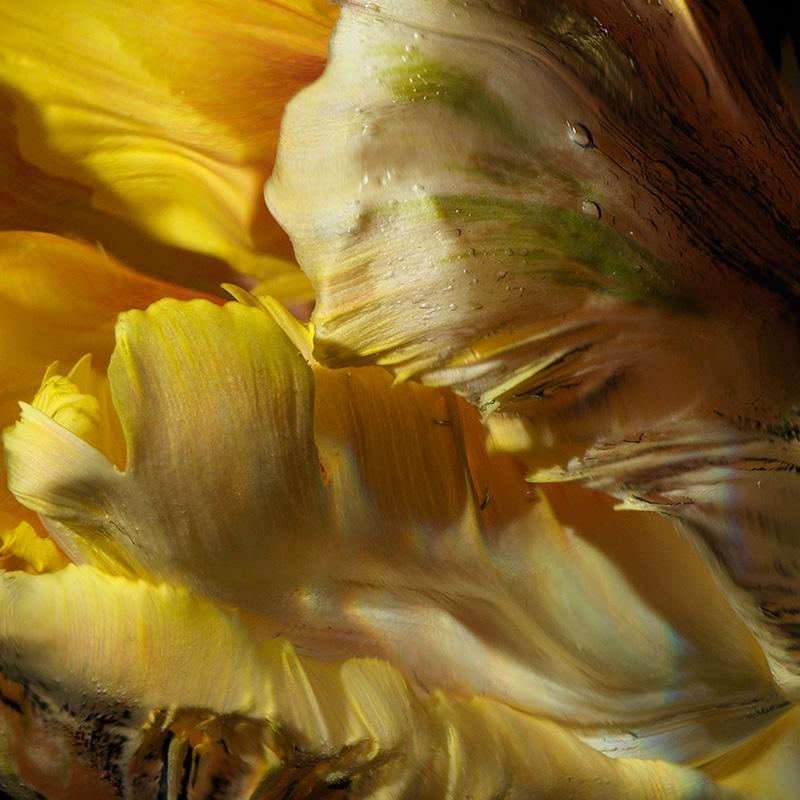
column 460, row 573
column 21, row 548
column 215, row 406
column 122, row 650
column 59, row 300
column 768, row 766
column 160, row 135
column 363, row 518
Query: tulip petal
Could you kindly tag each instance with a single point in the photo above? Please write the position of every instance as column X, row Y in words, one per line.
column 233, row 708
column 158, row 137
column 587, row 218
column 768, row 766
column 21, row 548
column 467, row 188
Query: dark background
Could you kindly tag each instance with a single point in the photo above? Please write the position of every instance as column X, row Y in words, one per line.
column 775, row 20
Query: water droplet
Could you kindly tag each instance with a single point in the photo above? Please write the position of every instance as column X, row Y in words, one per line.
column 473, row 281
column 424, row 305
column 509, row 251
column 365, row 180
column 472, row 251
column 591, row 209
column 451, row 306
column 418, row 188
column 501, row 273
column 580, row 134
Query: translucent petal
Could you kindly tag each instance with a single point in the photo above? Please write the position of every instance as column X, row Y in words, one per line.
column 215, row 406
column 58, row 301
column 151, row 138
column 768, row 766
column 21, row 548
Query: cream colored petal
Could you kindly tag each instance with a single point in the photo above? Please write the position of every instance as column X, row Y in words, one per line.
column 385, row 530
column 86, row 656
column 487, row 196
column 448, row 564
column 158, row 136
column 584, row 216
column 768, row 766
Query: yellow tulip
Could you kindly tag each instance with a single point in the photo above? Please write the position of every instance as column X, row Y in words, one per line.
column 244, row 560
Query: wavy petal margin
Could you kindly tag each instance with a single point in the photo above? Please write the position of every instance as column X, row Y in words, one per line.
column 360, row 518
column 193, row 705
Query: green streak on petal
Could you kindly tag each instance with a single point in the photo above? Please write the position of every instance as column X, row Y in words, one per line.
column 418, row 79
column 579, row 251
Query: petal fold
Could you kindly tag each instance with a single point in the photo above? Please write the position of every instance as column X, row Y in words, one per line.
column 221, row 485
